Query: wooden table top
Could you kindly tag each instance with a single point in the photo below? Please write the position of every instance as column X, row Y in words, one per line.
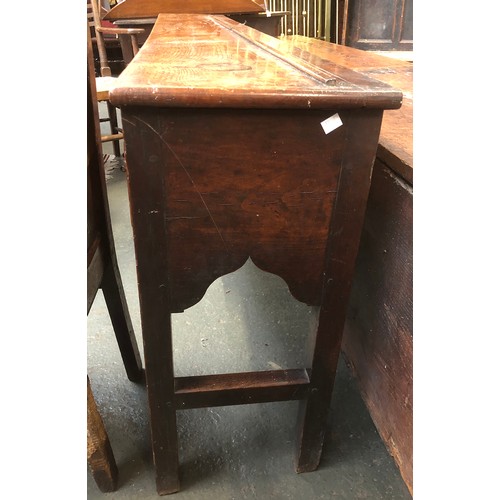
column 212, row 61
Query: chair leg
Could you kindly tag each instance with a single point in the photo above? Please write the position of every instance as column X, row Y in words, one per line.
column 120, row 318
column 99, row 452
column 113, row 121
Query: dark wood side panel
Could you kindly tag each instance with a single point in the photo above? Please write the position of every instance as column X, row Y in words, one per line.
column 378, row 339
column 271, row 202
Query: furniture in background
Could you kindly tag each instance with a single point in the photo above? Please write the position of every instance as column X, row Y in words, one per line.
column 136, row 9
column 99, row 452
column 103, row 273
column 385, row 25
column 143, row 13
column 105, row 80
column 250, row 151
column 378, row 340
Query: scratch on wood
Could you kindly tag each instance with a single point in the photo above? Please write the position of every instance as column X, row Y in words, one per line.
column 338, row 232
column 188, row 176
column 129, row 122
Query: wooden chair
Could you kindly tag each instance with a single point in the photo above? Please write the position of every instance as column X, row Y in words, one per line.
column 103, row 272
column 99, row 452
column 105, row 81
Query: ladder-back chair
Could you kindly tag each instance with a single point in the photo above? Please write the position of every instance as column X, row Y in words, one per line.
column 106, row 80
column 103, row 273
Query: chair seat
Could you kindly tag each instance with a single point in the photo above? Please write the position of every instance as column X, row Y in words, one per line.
column 103, row 85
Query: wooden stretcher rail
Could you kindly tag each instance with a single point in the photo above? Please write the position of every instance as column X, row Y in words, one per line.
column 240, row 388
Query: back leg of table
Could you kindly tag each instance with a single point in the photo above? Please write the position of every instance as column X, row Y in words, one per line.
column 313, row 411
column 114, row 296
column 345, row 231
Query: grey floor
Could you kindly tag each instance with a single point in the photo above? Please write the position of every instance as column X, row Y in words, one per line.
column 246, row 321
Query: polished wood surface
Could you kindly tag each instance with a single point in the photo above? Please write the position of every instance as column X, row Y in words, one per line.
column 227, row 160
column 136, row 9
column 213, row 61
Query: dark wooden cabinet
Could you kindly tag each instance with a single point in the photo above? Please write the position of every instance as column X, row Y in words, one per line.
column 379, row 24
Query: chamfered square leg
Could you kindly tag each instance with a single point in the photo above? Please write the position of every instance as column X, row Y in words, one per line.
column 160, row 386
column 342, row 248
column 313, row 411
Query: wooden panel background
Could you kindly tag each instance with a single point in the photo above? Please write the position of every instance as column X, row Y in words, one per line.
column 378, row 338
column 378, row 24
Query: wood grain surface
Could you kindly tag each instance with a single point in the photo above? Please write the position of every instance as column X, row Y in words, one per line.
column 213, row 61
column 268, row 202
column 378, row 341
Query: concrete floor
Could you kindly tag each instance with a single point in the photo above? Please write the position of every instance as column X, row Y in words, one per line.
column 246, row 321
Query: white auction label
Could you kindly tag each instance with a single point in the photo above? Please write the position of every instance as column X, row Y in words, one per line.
column 331, row 123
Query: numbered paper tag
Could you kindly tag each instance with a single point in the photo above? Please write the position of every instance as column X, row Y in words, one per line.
column 330, row 124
